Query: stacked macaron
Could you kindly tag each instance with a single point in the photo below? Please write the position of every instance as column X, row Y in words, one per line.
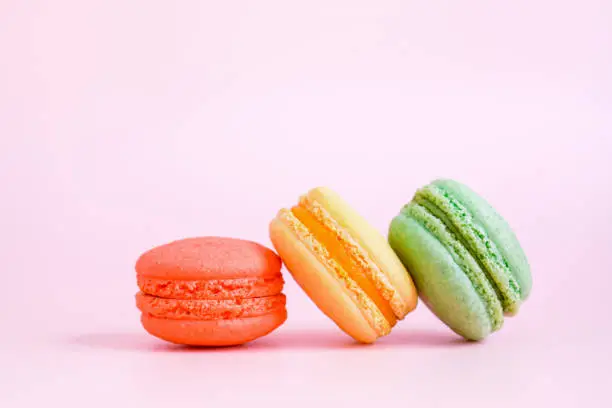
column 447, row 246
column 210, row 291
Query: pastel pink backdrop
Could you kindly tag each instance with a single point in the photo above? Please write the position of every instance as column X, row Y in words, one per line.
column 124, row 125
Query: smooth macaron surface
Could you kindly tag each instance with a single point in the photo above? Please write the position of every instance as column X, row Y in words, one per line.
column 220, row 332
column 464, row 258
column 210, row 291
column 210, row 268
column 208, row 258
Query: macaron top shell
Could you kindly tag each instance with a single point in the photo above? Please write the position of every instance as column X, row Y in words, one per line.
column 498, row 231
column 208, row 258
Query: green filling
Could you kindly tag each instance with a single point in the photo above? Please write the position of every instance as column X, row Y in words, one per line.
column 435, row 211
column 464, row 259
column 459, row 220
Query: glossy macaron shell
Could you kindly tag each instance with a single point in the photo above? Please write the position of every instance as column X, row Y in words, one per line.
column 210, row 268
column 465, row 260
column 210, row 291
column 212, row 333
column 206, row 258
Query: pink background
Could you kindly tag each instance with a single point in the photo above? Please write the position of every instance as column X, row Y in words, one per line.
column 124, row 125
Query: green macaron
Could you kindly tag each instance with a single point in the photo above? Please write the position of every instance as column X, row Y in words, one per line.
column 466, row 261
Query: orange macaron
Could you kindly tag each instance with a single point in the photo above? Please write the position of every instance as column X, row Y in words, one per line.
column 210, row 291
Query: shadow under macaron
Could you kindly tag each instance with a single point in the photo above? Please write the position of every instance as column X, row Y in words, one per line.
column 311, row 339
column 287, row 339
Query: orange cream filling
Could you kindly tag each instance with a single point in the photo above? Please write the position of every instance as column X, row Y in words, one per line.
column 340, row 252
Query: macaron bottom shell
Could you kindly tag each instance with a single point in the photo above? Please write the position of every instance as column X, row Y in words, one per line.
column 213, row 333
column 326, row 292
column 443, row 286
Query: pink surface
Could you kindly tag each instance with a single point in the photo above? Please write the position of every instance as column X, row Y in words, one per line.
column 124, row 125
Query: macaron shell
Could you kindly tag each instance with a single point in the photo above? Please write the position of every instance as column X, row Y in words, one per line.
column 208, row 258
column 213, row 332
column 212, row 289
column 206, row 309
column 497, row 229
column 374, row 244
column 442, row 284
column 328, row 293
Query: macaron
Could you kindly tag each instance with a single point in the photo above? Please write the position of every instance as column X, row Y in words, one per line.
column 343, row 264
column 466, row 261
column 210, row 291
